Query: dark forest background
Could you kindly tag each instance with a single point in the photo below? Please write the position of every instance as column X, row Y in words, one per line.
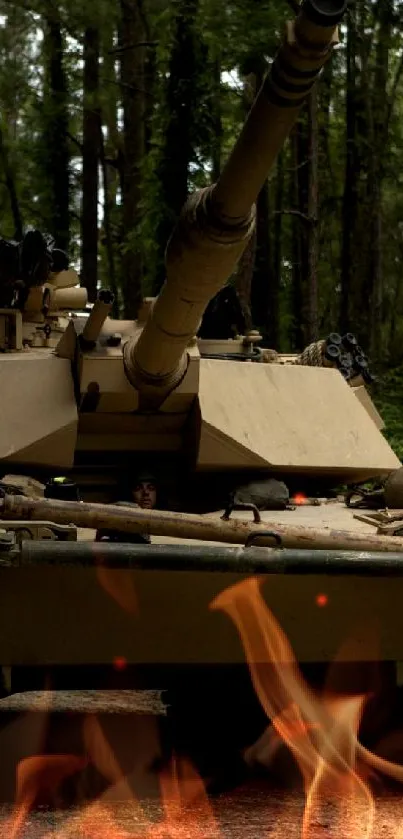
column 112, row 110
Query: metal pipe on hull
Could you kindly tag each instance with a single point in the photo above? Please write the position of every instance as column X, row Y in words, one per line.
column 87, row 604
column 208, row 559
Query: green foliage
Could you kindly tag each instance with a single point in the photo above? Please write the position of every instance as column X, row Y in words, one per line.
column 388, row 397
column 228, row 36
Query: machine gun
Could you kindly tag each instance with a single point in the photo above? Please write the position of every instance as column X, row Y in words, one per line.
column 27, row 264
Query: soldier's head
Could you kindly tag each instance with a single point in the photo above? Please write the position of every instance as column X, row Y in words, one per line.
column 144, row 490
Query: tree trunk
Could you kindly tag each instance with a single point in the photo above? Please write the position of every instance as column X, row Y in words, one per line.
column 264, row 297
column 177, row 149
column 11, row 186
column 56, row 125
column 216, row 120
column 350, row 180
column 355, row 289
column 132, row 81
column 243, row 280
column 298, row 201
column 91, row 140
column 312, row 231
column 356, row 253
column 111, row 158
column 150, row 79
column 379, row 139
column 329, row 209
column 394, row 345
column 324, row 93
column 262, row 315
column 306, row 223
column 111, row 282
column 277, row 253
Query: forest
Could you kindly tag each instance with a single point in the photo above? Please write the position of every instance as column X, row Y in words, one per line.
column 113, row 110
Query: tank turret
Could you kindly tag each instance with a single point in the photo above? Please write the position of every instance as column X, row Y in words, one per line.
column 84, row 391
column 217, row 222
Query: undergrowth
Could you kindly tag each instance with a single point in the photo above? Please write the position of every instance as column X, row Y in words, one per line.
column 387, row 395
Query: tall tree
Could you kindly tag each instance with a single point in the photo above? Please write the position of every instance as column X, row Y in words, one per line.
column 91, row 154
column 15, row 95
column 177, row 147
column 296, row 332
column 132, row 59
column 111, row 161
column 7, row 170
column 264, row 298
column 312, row 226
column 56, row 163
column 379, row 132
column 274, row 305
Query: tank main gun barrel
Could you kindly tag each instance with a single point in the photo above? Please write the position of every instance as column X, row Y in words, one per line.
column 306, row 47
column 217, row 222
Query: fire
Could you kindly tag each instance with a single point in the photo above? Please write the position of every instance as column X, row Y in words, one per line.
column 117, row 583
column 319, row 730
column 187, row 812
column 38, row 780
column 186, row 809
column 299, row 499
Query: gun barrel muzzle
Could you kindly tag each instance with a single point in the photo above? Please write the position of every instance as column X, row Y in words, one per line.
column 306, row 48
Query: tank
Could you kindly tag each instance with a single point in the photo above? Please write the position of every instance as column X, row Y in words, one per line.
column 97, row 390
column 86, row 395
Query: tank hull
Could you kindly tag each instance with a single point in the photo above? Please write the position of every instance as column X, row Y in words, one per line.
column 58, row 616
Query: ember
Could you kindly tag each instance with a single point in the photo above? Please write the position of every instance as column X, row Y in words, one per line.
column 300, row 499
column 321, row 600
column 119, row 662
column 320, row 731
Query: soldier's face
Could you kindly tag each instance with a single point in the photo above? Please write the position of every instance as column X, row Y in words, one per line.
column 145, row 495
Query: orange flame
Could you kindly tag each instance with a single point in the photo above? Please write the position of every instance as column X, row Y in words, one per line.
column 186, row 809
column 321, row 733
column 117, row 582
column 39, row 778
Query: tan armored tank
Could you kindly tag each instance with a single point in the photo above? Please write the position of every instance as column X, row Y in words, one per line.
column 82, row 391
column 76, row 389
